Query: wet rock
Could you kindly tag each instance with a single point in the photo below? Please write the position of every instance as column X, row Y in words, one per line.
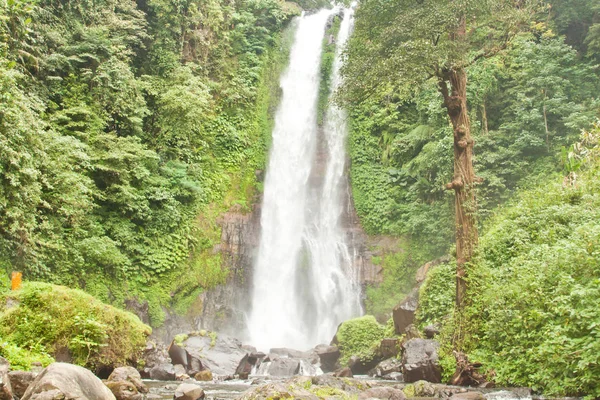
column 6, row 392
column 328, row 356
column 362, row 367
column 188, row 391
column 347, row 384
column 386, row 367
column 284, row 367
column 124, row 390
column 388, row 393
column 247, row 363
column 60, row 380
column 411, row 332
column 404, row 313
column 513, row 393
column 311, row 355
column 343, row 373
column 468, row 396
column 394, row 376
column 420, row 361
column 204, row 376
column 431, row 331
column 20, row 381
column 163, row 372
column 389, row 348
column 128, row 374
column 221, row 354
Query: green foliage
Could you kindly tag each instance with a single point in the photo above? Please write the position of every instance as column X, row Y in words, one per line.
column 436, row 295
column 359, row 337
column 49, row 319
column 326, row 69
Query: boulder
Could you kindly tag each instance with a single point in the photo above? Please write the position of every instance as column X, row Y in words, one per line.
column 421, row 389
column 361, row 366
column 343, row 373
column 20, row 381
column 394, row 376
column 248, row 363
column 155, row 354
column 124, row 390
column 163, row 372
column 328, row 356
column 221, row 354
column 382, row 392
column 404, row 313
column 188, row 391
column 60, row 380
column 420, row 361
column 6, row 392
column 128, row 374
column 278, row 390
column 284, row 367
column 468, row 396
column 386, row 367
column 205, row 376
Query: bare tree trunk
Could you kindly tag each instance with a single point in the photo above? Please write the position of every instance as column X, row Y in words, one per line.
column 463, row 182
column 484, row 119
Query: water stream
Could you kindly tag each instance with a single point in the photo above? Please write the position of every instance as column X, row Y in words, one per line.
column 304, row 282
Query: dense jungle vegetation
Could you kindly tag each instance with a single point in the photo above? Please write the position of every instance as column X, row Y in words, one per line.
column 530, row 312
column 126, row 128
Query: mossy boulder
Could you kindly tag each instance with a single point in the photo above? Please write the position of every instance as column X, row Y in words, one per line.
column 47, row 321
column 359, row 337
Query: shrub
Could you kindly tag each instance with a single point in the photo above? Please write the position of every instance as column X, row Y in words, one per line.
column 358, row 337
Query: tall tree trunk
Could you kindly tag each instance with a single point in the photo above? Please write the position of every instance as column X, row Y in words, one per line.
column 464, row 175
column 484, row 118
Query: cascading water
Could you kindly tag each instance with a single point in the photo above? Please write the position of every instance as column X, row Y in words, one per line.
column 304, row 285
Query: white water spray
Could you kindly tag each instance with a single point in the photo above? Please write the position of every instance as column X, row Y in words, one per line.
column 304, row 285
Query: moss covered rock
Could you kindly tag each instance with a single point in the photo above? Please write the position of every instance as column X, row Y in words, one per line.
column 47, row 321
column 359, row 337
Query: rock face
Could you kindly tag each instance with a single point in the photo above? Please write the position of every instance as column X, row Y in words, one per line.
column 420, row 361
column 67, row 381
column 163, row 372
column 221, row 355
column 404, row 313
column 155, row 355
column 20, row 381
column 6, row 392
column 284, row 367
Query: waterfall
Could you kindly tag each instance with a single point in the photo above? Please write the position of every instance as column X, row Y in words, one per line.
column 304, row 284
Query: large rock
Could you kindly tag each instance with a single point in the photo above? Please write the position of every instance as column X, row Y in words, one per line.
column 278, row 390
column 67, row 381
column 188, row 391
column 248, row 363
column 404, row 313
column 284, row 367
column 468, row 396
column 20, row 381
column 128, row 374
column 328, row 356
column 360, row 366
column 6, row 392
column 154, row 355
column 163, row 372
column 420, row 361
column 389, row 348
column 201, row 350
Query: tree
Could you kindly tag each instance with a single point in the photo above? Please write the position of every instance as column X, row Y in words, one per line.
column 401, row 44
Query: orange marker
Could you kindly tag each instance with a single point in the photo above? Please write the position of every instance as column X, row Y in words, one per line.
column 16, row 280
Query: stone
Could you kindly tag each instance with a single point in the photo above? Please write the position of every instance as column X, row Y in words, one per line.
column 389, row 347
column 420, row 361
column 411, row 332
column 128, row 374
column 163, row 372
column 328, row 356
column 155, row 354
column 60, row 380
column 248, row 363
column 6, row 392
column 404, row 313
column 394, row 376
column 284, row 367
column 468, row 396
column 362, row 367
column 220, row 354
column 382, row 392
column 386, row 367
column 343, row 373
column 20, row 381
column 431, row 331
column 124, row 390
column 278, row 390
column 188, row 391
column 204, row 376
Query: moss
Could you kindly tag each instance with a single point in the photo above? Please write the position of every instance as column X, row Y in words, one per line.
column 409, row 390
column 52, row 318
column 360, row 337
